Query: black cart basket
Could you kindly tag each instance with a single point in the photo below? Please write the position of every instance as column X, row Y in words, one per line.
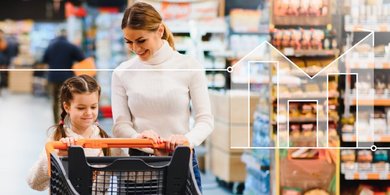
column 78, row 174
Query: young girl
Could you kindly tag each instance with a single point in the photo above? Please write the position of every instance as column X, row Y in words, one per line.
column 79, row 102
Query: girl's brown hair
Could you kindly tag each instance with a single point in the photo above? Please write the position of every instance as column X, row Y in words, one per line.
column 76, row 85
column 143, row 16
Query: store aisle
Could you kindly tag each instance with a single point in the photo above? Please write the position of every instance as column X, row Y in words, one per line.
column 24, row 123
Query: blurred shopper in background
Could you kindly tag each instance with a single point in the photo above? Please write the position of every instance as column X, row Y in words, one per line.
column 59, row 55
column 9, row 48
column 3, row 45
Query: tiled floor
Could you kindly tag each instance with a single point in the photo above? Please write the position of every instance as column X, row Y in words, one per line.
column 24, row 120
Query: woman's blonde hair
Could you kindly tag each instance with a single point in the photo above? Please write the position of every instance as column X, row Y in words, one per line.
column 143, row 16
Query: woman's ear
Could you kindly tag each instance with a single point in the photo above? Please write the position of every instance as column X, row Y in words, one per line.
column 161, row 30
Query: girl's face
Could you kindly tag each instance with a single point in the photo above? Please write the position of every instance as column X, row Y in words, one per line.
column 142, row 42
column 83, row 110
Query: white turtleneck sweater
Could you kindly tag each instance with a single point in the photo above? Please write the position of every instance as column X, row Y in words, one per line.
column 156, row 95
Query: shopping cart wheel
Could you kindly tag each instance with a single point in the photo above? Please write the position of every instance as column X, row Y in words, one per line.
column 220, row 182
column 224, row 184
column 238, row 188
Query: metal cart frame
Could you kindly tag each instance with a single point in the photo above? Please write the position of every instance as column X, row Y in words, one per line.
column 78, row 174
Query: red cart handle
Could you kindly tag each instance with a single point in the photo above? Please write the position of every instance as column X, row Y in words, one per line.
column 104, row 143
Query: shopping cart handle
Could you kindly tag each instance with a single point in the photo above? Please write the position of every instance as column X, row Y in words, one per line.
column 104, row 143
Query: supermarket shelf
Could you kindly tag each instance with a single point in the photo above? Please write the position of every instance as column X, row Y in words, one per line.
column 310, row 52
column 217, row 25
column 263, row 29
column 305, row 120
column 212, row 46
column 216, row 86
column 286, row 80
column 231, row 54
column 376, row 102
column 379, row 64
column 367, row 176
column 302, row 20
column 350, row 137
column 246, row 80
column 381, row 27
column 224, row 54
column 299, row 73
column 179, row 29
column 182, row 47
column 308, row 96
column 303, row 138
column 265, row 32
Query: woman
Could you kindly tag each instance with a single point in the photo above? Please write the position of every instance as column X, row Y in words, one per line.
column 151, row 93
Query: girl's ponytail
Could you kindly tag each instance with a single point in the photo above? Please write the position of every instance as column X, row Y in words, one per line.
column 59, row 129
column 103, row 134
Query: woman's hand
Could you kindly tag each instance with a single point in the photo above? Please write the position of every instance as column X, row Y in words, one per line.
column 69, row 141
column 161, row 152
column 176, row 140
column 150, row 134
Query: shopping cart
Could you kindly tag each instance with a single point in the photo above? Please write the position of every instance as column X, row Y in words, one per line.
column 78, row 174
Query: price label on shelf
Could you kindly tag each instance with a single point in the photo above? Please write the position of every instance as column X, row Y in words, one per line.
column 349, row 176
column 288, row 51
column 342, row 167
column 379, row 65
column 362, row 176
column 364, row 65
column 348, row 137
column 355, row 65
column 383, row 176
column 374, row 176
column 386, row 65
column 383, row 28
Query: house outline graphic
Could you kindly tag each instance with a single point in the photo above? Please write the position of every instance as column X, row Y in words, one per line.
column 322, row 71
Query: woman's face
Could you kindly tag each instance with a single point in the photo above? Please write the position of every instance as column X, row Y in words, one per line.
column 144, row 43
